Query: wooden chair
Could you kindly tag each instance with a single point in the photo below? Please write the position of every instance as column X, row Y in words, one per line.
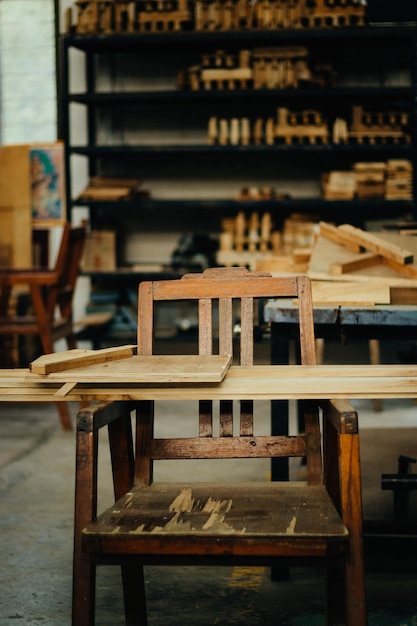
column 317, row 522
column 51, row 293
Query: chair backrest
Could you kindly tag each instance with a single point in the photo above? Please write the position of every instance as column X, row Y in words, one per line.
column 223, row 286
column 67, row 268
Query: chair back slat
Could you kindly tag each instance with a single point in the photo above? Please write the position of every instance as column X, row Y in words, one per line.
column 307, row 342
column 246, row 331
column 246, row 418
column 205, row 326
column 146, row 318
column 226, row 418
column 205, row 423
column 225, row 326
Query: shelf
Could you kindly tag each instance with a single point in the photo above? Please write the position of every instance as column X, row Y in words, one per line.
column 220, row 205
column 115, row 43
column 331, row 210
column 144, row 97
column 145, row 111
column 196, row 149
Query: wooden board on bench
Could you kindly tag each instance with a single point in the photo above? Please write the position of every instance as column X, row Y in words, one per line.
column 146, row 369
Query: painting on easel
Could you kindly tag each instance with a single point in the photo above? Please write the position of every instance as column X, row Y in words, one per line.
column 47, row 183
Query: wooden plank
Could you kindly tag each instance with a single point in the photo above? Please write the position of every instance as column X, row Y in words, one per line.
column 329, row 231
column 95, row 319
column 281, row 382
column 403, row 295
column 354, row 293
column 148, row 369
column 366, row 259
column 70, row 359
column 65, row 389
column 373, row 242
column 409, row 270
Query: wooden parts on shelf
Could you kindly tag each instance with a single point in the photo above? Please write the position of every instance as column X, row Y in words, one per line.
column 379, row 127
column 290, row 127
column 309, row 126
column 118, row 16
column 121, row 16
column 276, row 14
column 281, row 67
column 390, row 180
column 306, row 126
column 253, row 242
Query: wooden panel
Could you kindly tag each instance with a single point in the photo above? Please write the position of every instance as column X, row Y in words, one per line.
column 352, row 293
column 15, row 205
column 153, row 368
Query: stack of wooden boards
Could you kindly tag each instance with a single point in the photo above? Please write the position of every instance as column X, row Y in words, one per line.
column 360, row 267
column 347, row 265
column 108, row 189
column 391, row 180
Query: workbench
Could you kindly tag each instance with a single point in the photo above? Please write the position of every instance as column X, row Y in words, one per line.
column 331, row 322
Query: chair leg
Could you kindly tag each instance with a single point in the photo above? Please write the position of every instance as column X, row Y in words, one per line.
column 344, row 484
column 134, row 595
column 64, row 415
column 122, row 459
column 335, row 596
column 85, row 507
column 351, row 502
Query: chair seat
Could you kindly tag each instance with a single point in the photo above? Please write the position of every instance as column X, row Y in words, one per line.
column 223, row 519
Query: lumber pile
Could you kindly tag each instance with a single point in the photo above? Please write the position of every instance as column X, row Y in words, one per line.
column 399, row 180
column 365, row 262
column 390, row 180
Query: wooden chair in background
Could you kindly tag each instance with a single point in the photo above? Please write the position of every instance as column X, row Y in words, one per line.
column 50, row 292
column 316, row 522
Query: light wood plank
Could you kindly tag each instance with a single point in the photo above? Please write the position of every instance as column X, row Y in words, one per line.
column 353, row 293
column 367, row 259
column 70, row 359
column 376, row 244
column 281, row 382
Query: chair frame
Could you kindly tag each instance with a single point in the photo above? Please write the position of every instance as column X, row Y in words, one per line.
column 339, row 468
column 51, row 294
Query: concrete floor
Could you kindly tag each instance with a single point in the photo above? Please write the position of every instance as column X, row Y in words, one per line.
column 36, row 488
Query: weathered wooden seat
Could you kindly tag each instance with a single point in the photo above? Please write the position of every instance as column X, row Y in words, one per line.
column 317, row 521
